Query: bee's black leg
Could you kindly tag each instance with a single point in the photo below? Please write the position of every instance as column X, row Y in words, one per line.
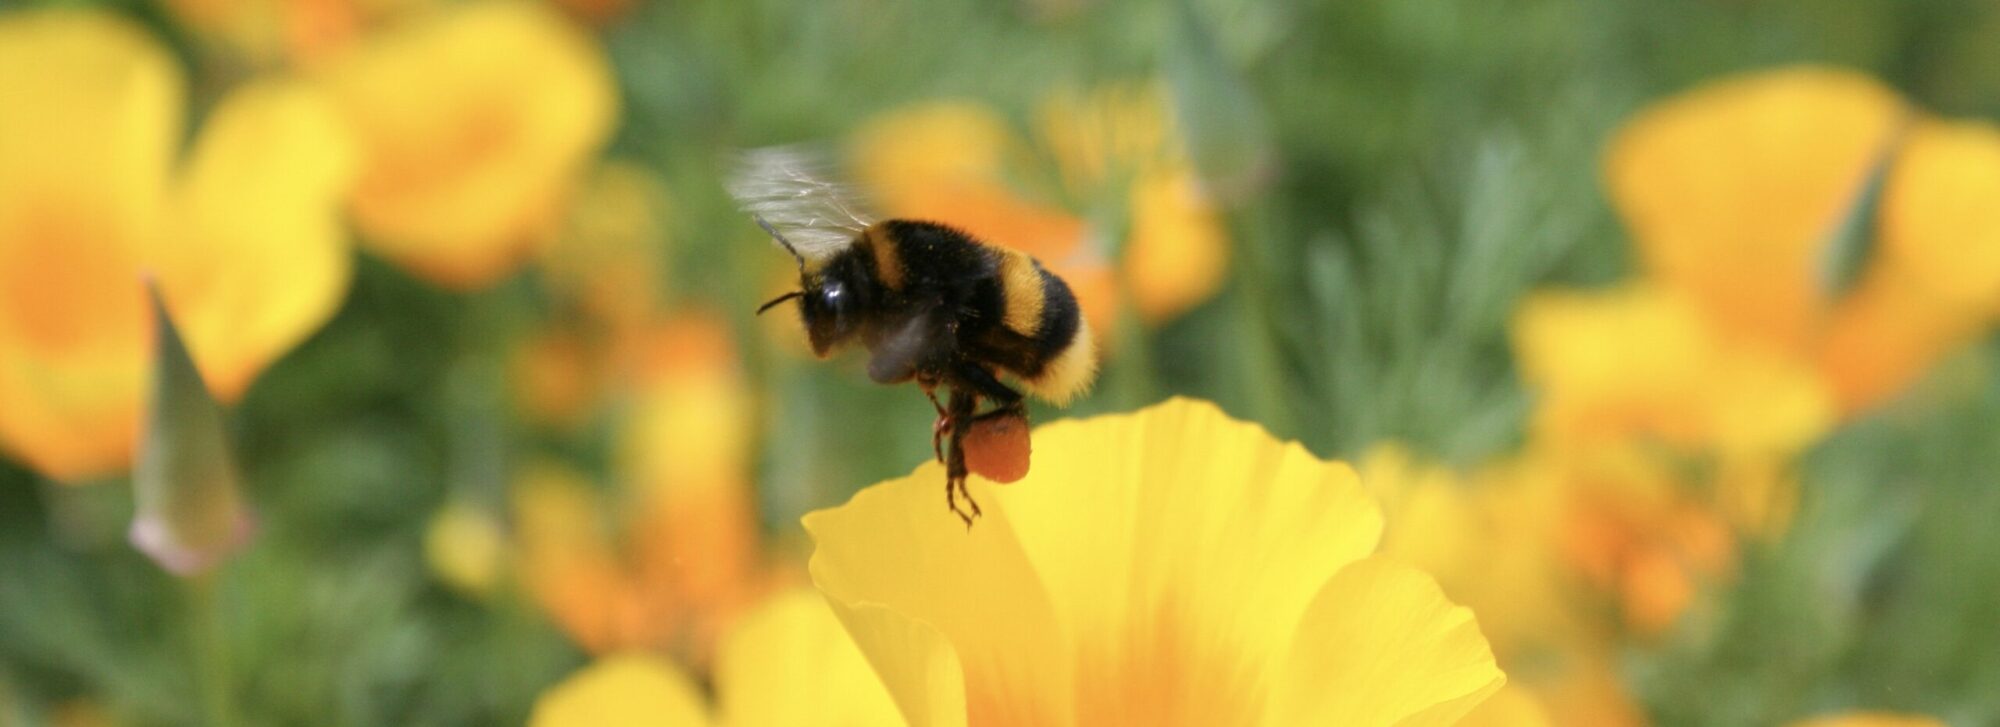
column 962, row 405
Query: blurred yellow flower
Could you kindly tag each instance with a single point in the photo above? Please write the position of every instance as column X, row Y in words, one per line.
column 607, row 263
column 626, row 690
column 1495, row 542
column 959, row 163
column 465, row 547
column 477, row 121
column 243, row 235
column 297, row 32
column 1735, row 190
column 557, row 376
column 681, row 558
column 1640, row 362
column 604, row 276
column 1167, row 567
column 787, row 664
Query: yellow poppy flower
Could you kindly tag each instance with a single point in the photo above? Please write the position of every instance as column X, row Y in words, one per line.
column 958, row 162
column 243, row 236
column 787, row 664
column 1171, row 566
column 476, row 120
column 1733, row 192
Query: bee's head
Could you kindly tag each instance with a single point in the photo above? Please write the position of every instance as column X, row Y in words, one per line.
column 831, row 295
column 830, row 305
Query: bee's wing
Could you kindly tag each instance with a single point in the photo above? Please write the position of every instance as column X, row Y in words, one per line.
column 791, row 191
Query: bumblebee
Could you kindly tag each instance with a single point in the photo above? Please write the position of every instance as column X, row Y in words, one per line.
column 930, row 303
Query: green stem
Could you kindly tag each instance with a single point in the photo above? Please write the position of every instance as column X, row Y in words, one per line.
column 211, row 650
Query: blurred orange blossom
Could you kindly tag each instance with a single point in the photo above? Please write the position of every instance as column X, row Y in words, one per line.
column 604, row 275
column 476, row 120
column 1497, row 541
column 299, row 33
column 681, row 558
column 1735, row 191
column 243, row 233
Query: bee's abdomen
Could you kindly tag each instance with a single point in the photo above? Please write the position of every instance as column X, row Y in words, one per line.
column 1041, row 309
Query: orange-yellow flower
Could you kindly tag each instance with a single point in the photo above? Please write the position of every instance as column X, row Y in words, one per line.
column 1495, row 541
column 299, row 32
column 476, row 121
column 1734, row 191
column 606, row 264
column 1640, row 363
column 1167, row 567
column 787, row 664
column 680, row 559
column 243, row 233
column 604, row 278
column 1114, row 149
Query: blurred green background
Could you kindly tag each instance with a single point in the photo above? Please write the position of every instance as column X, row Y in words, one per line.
column 1433, row 162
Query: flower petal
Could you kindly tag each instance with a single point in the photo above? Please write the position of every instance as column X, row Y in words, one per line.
column 901, row 571
column 1641, row 362
column 916, row 664
column 1179, row 548
column 1938, row 217
column 630, row 690
column 1400, row 652
column 1181, row 545
column 1936, row 281
column 795, row 649
column 1732, row 189
column 477, row 122
column 260, row 258
column 1178, row 254
column 89, row 119
column 1512, row 706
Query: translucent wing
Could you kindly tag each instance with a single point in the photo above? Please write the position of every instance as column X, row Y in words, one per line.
column 790, row 190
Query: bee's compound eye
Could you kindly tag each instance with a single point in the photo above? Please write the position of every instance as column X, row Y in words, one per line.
column 831, row 294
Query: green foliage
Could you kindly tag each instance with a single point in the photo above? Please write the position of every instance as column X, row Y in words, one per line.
column 1428, row 164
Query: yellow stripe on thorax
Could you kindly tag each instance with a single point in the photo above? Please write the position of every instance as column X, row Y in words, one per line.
column 888, row 259
column 1021, row 286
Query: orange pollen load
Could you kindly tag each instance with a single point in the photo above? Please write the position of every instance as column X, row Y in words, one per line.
column 997, row 448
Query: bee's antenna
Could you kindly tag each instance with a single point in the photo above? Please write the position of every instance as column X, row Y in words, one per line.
column 780, row 299
column 761, row 222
